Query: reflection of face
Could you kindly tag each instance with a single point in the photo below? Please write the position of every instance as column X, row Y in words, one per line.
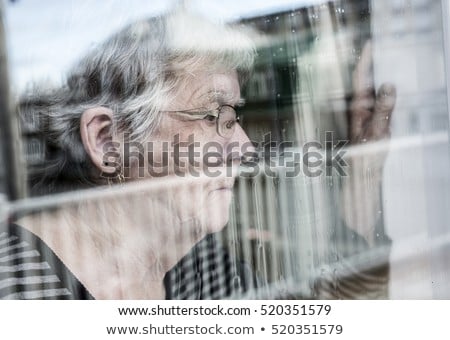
column 205, row 202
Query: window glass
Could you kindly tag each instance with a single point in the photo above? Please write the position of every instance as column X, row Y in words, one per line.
column 205, row 150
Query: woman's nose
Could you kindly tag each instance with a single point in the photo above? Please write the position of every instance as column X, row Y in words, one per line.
column 239, row 147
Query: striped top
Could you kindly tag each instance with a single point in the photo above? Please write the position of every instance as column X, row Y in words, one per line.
column 29, row 269
column 209, row 272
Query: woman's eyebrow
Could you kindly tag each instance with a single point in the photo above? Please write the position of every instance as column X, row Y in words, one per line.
column 222, row 97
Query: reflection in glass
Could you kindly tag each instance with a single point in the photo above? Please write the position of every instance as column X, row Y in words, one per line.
column 342, row 192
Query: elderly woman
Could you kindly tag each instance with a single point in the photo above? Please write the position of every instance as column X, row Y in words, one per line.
column 124, row 115
column 157, row 99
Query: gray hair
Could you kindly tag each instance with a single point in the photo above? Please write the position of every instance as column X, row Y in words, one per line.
column 133, row 73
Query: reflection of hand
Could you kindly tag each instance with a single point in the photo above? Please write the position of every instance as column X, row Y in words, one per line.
column 370, row 114
column 370, row 117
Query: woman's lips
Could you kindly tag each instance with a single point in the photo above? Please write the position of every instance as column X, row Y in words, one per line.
column 224, row 189
column 228, row 186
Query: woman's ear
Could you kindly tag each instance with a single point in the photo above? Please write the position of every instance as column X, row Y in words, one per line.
column 96, row 134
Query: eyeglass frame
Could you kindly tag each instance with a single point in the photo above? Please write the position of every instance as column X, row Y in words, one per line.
column 202, row 114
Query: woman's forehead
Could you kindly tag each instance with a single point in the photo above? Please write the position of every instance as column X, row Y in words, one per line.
column 214, row 87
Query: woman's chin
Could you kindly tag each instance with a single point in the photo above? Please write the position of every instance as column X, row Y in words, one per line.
column 218, row 213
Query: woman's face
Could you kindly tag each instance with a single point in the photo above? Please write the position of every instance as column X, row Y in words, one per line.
column 190, row 148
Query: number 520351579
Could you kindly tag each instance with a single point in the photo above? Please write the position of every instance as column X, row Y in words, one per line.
column 307, row 329
column 295, row 309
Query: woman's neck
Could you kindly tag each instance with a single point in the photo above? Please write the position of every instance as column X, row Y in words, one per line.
column 112, row 251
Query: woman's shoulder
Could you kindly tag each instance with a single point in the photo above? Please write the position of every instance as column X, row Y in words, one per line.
column 29, row 269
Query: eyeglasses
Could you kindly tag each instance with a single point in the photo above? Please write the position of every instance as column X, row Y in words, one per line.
column 224, row 118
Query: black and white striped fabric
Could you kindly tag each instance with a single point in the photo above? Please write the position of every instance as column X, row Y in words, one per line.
column 29, row 269
column 208, row 272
